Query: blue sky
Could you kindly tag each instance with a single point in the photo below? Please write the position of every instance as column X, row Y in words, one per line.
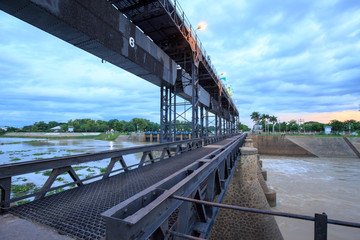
column 292, row 59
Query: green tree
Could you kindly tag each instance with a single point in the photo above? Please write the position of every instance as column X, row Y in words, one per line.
column 25, row 129
column 129, row 127
column 273, row 119
column 121, row 126
column 283, row 126
column 102, row 126
column 242, row 127
column 34, row 128
column 264, row 120
column 64, row 127
column 336, row 125
column 112, row 123
column 41, row 126
column 293, row 126
column 151, row 126
column 139, row 124
column 256, row 117
column 52, row 124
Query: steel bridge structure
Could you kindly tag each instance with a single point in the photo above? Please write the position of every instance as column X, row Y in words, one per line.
column 152, row 39
column 177, row 187
column 130, row 202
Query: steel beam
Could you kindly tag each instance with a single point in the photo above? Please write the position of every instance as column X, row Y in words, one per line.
column 195, row 101
column 98, row 28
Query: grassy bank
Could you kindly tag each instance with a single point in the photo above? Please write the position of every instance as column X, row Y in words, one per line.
column 101, row 136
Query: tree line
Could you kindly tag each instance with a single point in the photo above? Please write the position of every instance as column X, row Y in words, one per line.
column 89, row 125
column 271, row 124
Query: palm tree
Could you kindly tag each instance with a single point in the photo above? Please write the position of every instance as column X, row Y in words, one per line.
column 255, row 116
column 264, row 118
column 273, row 119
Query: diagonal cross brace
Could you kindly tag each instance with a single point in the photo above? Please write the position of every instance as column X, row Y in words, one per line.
column 112, row 163
column 143, row 158
column 54, row 174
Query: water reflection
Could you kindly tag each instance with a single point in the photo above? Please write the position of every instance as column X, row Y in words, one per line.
column 26, row 150
column 306, row 186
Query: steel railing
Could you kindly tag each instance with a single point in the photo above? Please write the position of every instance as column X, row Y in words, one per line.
column 60, row 165
column 321, row 220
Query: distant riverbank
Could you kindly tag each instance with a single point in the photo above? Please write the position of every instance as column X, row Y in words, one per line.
column 76, row 135
column 49, row 134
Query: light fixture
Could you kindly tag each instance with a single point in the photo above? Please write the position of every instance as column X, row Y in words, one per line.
column 202, row 26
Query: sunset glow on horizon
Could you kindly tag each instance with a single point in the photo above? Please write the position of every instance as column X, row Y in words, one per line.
column 324, row 117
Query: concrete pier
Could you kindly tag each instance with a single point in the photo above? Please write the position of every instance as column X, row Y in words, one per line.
column 270, row 194
column 245, row 190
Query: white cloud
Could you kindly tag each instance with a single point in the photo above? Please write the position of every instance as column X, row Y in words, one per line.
column 280, row 57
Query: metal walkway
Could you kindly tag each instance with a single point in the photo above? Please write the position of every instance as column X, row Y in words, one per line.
column 76, row 212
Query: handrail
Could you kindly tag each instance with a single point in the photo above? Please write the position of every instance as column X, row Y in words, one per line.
column 61, row 165
column 320, row 219
column 13, row 169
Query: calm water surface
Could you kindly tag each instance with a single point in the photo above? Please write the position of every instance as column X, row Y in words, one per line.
column 26, row 149
column 310, row 185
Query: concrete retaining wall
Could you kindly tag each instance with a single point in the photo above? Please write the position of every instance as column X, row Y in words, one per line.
column 325, row 146
column 306, row 146
column 278, row 145
column 355, row 142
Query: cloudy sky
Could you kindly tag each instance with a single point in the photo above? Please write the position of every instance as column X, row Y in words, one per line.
column 292, row 59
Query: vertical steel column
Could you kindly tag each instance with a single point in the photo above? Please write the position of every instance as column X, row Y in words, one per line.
column 169, row 115
column 236, row 124
column 216, row 124
column 174, row 110
column 206, row 122
column 195, row 101
column 162, row 113
column 202, row 121
column 233, row 125
column 165, row 111
column 220, row 126
column 227, row 126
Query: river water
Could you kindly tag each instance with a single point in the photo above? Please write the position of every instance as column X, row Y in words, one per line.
column 14, row 150
column 315, row 185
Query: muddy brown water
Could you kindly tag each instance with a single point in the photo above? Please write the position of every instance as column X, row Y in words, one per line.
column 315, row 185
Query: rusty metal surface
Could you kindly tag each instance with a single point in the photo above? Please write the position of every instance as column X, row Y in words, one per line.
column 76, row 212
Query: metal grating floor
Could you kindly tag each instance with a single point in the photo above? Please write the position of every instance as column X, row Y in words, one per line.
column 76, row 212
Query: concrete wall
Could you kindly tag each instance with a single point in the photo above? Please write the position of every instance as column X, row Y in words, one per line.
column 325, row 146
column 355, row 142
column 305, row 146
column 278, row 145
